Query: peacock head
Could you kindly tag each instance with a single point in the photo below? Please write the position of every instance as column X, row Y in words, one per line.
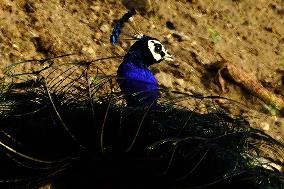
column 150, row 49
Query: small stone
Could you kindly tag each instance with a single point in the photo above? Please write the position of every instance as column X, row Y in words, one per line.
column 105, row 28
column 265, row 126
column 33, row 34
column 97, row 35
column 169, row 39
column 95, row 8
column 15, row 46
column 180, row 82
column 95, row 17
column 88, row 50
column 180, row 36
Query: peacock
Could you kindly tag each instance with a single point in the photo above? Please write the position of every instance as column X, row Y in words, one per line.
column 65, row 122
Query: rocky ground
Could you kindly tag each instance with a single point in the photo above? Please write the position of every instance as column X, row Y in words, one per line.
column 201, row 34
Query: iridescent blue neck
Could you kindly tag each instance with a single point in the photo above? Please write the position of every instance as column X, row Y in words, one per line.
column 139, row 53
column 135, row 57
column 136, row 81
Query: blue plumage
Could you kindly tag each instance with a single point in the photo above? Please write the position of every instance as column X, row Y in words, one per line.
column 136, row 81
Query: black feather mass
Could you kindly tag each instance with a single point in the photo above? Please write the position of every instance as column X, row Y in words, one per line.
column 66, row 124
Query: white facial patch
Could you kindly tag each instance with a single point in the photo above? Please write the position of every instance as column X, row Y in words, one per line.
column 158, row 51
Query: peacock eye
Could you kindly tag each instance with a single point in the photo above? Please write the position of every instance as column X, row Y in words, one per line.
column 158, row 48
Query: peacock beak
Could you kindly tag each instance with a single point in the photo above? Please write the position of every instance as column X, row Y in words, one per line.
column 168, row 57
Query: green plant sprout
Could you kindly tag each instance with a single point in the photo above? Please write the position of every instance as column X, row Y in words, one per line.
column 214, row 34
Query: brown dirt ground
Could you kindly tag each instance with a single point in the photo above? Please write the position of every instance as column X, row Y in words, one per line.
column 247, row 34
